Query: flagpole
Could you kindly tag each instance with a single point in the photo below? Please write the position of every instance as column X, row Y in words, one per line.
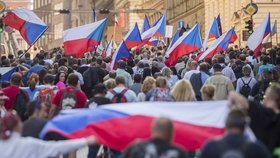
column 276, row 32
column 114, row 35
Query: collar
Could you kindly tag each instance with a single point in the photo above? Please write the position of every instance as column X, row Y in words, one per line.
column 218, row 73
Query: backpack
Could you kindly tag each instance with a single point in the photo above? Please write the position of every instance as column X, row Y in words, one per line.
column 196, row 84
column 46, row 96
column 245, row 89
column 68, row 100
column 119, row 97
column 161, row 95
column 20, row 104
column 228, row 152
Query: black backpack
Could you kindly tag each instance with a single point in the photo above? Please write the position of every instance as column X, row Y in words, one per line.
column 196, row 84
column 119, row 97
column 20, row 104
column 227, row 151
column 245, row 89
column 68, row 100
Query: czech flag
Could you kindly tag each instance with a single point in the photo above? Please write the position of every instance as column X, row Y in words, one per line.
column 233, row 37
column 122, row 52
column 157, row 30
column 30, row 26
column 78, row 40
column 221, row 44
column 273, row 30
column 174, row 39
column 6, row 73
column 117, row 126
column 146, row 24
column 133, row 37
column 255, row 40
column 108, row 51
column 186, row 44
column 153, row 42
column 213, row 32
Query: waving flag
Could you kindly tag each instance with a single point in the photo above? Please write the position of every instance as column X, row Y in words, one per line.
column 157, row 30
column 146, row 24
column 273, row 30
column 153, row 42
column 255, row 40
column 213, row 32
column 233, row 37
column 6, row 73
column 121, row 53
column 189, row 42
column 30, row 26
column 119, row 125
column 108, row 51
column 133, row 37
column 116, row 21
column 77, row 40
column 174, row 39
column 219, row 24
column 221, row 44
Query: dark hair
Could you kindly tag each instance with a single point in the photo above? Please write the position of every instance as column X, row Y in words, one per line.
column 237, row 119
column 217, row 67
column 27, row 55
column 173, row 69
column 112, row 74
column 56, row 80
column 221, row 59
column 16, row 78
column 99, row 88
column 265, row 60
column 203, row 67
column 73, row 79
column 120, row 80
column 137, row 78
column 146, row 72
column 122, row 64
column 48, row 79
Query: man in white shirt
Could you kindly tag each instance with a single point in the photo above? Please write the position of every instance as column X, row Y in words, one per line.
column 121, row 72
column 193, row 70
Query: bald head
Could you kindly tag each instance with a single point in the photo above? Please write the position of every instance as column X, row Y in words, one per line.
column 162, row 129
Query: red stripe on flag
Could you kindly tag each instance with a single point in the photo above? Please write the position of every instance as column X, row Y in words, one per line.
column 78, row 47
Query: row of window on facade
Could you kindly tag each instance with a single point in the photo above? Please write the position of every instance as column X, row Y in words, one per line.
column 41, row 3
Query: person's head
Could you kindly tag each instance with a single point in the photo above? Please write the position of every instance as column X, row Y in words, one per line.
column 137, row 78
column 112, row 74
column 193, row 65
column 99, row 90
column 60, row 76
column 161, row 82
column 272, row 97
column 236, row 121
column 265, row 60
column 166, row 72
column 246, row 70
column 146, row 72
column 122, row 64
column 35, row 61
column 140, row 64
column 183, row 91
column 110, row 84
column 242, row 57
column 251, row 53
column 148, row 84
column 203, row 67
column 27, row 56
column 3, row 98
column 16, row 79
column 221, row 59
column 162, row 129
column 33, row 81
column 207, row 92
column 73, row 80
column 36, row 109
column 48, row 79
column 120, row 81
column 9, row 123
column 217, row 67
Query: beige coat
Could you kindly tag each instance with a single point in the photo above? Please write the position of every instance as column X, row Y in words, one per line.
column 222, row 83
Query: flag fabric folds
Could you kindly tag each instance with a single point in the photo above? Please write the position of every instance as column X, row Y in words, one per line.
column 221, row 44
column 213, row 32
column 186, row 44
column 7, row 72
column 122, row 52
column 119, row 125
column 146, row 24
column 158, row 30
column 254, row 42
column 233, row 37
column 273, row 29
column 174, row 39
column 133, row 37
column 77, row 40
column 108, row 51
column 153, row 42
column 29, row 25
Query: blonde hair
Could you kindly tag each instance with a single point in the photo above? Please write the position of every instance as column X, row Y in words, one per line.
column 183, row 91
column 110, row 83
column 208, row 92
column 161, row 82
column 148, row 84
column 32, row 81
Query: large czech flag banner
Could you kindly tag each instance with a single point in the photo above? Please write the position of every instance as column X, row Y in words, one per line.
column 30, row 26
column 78, row 40
column 118, row 125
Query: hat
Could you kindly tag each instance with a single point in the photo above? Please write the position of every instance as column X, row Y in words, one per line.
column 3, row 96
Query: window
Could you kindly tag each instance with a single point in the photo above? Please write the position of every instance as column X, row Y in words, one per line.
column 58, row 28
column 58, row 6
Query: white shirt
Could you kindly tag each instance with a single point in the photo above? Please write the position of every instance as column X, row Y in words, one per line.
column 130, row 95
column 28, row 147
column 190, row 73
column 240, row 84
column 251, row 60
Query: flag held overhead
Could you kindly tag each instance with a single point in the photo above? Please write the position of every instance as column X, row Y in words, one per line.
column 133, row 37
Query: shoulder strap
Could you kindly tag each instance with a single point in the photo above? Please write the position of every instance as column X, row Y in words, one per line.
column 250, row 80
column 124, row 91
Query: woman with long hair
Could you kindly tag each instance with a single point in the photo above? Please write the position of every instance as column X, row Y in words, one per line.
column 60, row 79
column 148, row 84
column 33, row 86
column 183, row 91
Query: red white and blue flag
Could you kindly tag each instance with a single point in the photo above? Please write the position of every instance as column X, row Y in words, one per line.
column 78, row 40
column 213, row 32
column 117, row 126
column 219, row 24
column 153, row 42
column 255, row 40
column 108, row 51
column 133, row 37
column 146, row 24
column 273, row 29
column 174, row 39
column 221, row 44
column 30, row 26
column 122, row 52
column 233, row 37
column 158, row 30
column 186, row 44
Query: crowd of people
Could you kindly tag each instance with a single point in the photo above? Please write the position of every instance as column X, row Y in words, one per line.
column 51, row 82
